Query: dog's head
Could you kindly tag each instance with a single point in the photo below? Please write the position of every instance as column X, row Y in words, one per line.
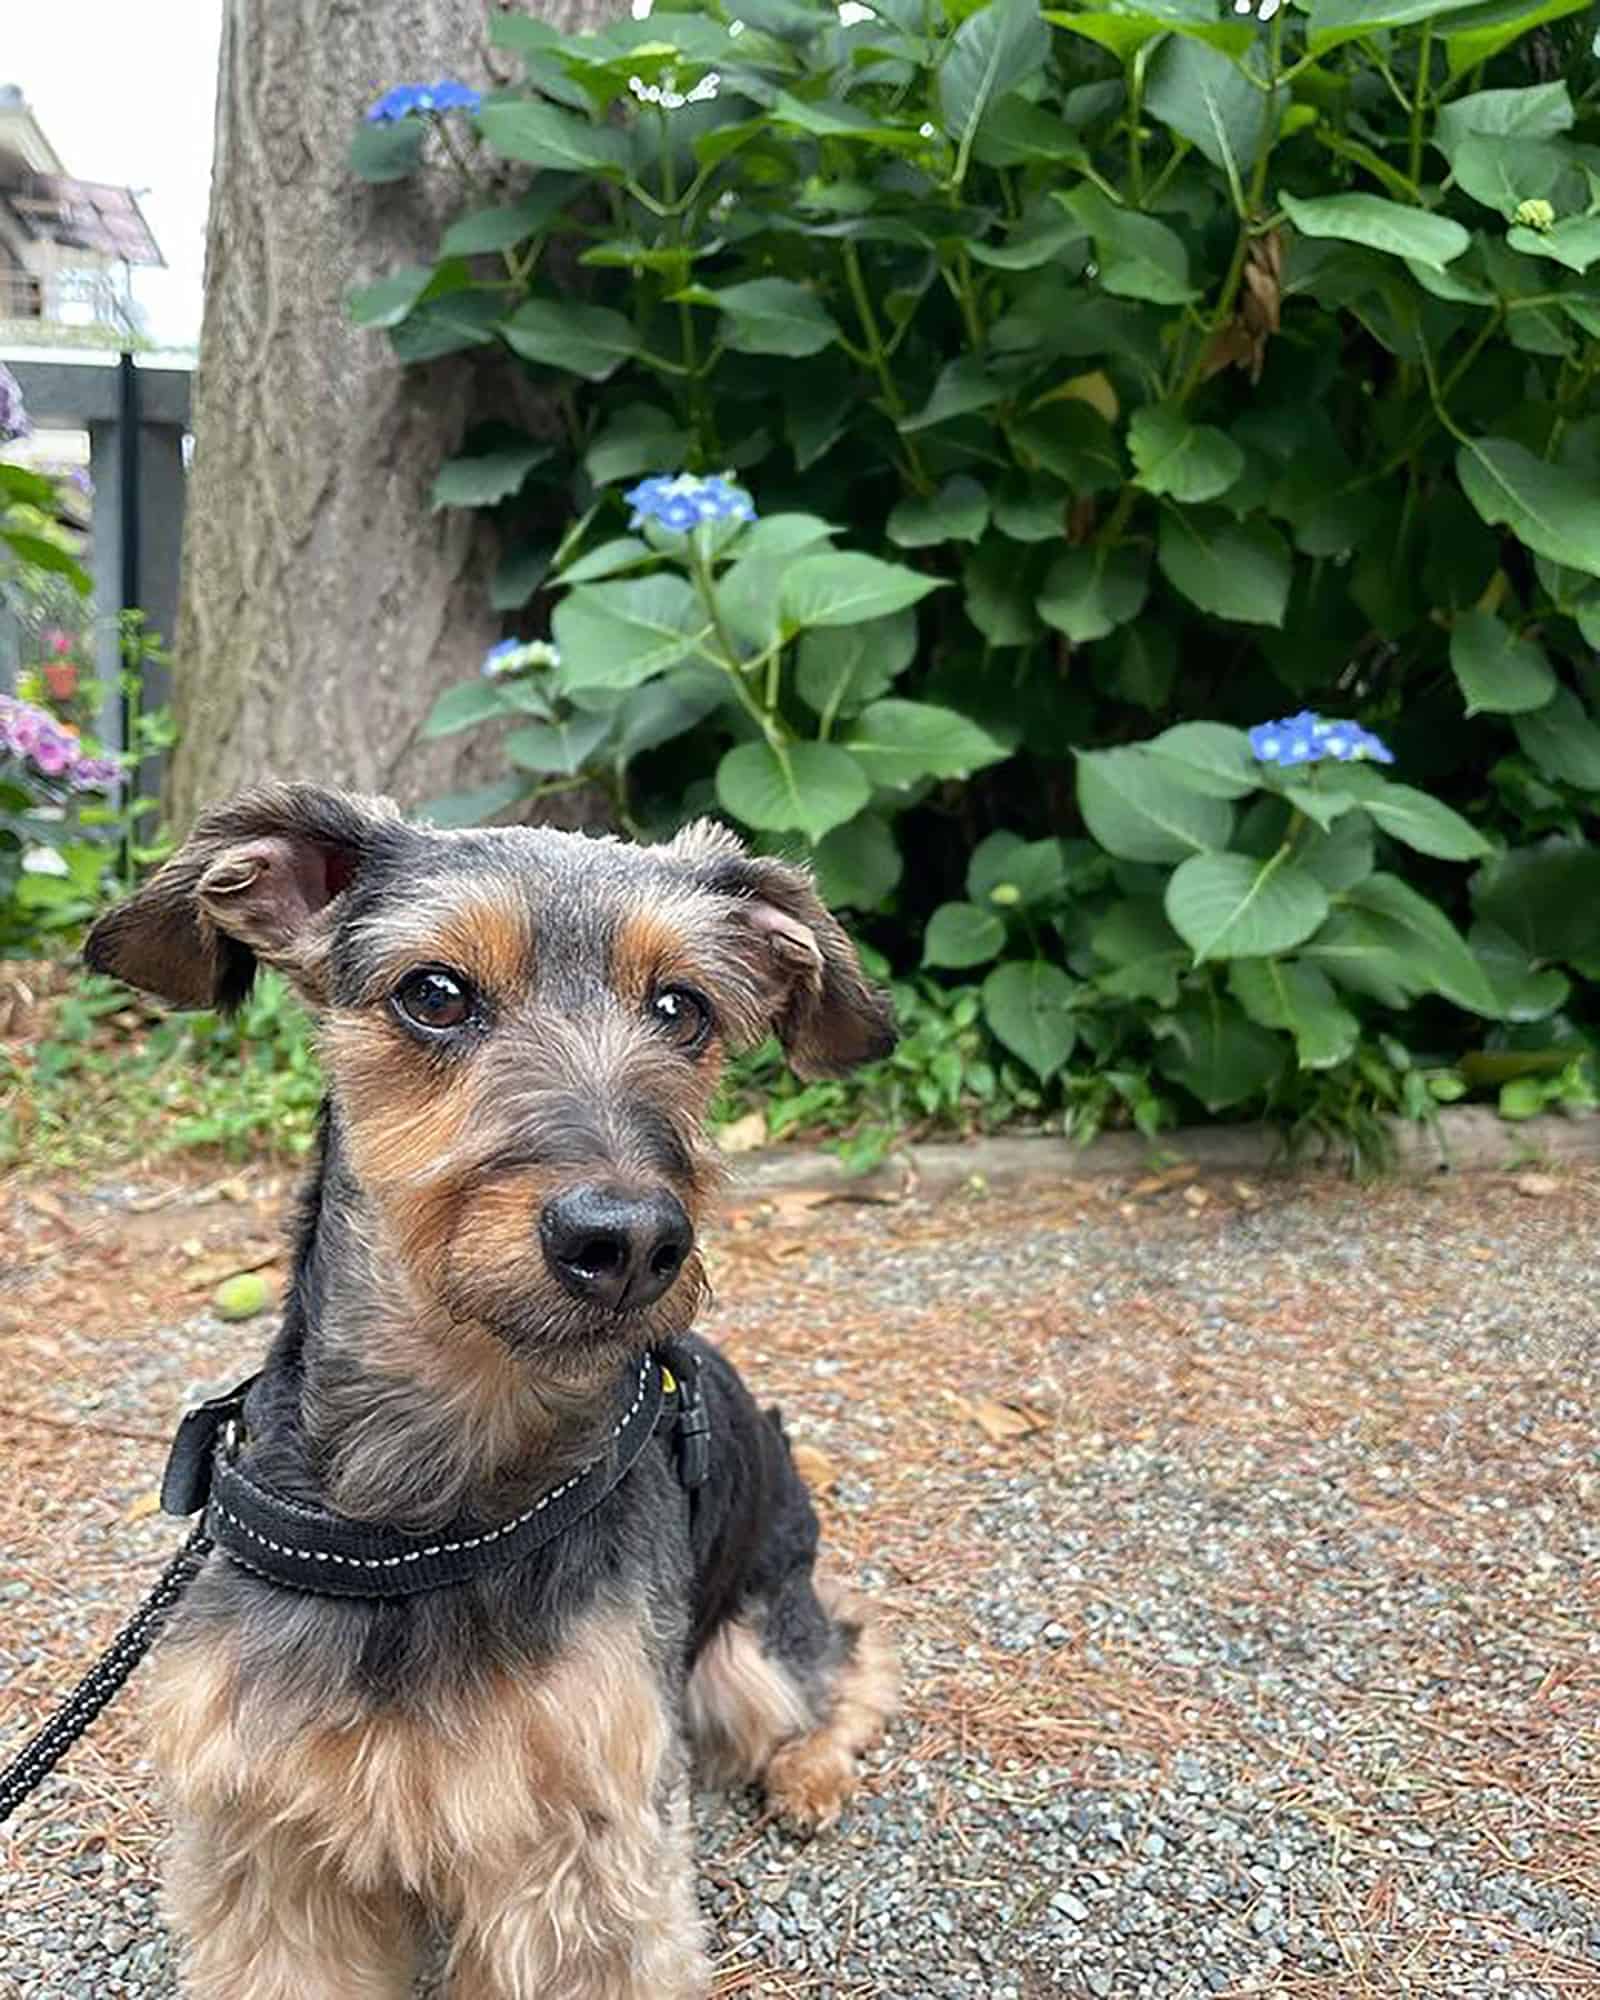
column 522, row 1030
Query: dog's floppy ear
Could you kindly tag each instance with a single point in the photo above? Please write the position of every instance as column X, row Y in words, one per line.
column 827, row 1013
column 251, row 882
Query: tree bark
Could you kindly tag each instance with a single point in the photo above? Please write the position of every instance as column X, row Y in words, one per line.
column 324, row 605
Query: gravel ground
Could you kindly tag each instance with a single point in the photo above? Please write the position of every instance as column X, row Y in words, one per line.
column 1243, row 1542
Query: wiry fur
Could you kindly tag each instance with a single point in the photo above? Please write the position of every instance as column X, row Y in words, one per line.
column 509, row 1756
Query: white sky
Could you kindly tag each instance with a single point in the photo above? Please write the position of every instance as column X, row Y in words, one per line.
column 125, row 91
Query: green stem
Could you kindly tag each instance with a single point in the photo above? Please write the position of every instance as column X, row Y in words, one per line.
column 728, row 657
column 1135, row 117
column 873, row 336
column 1424, row 58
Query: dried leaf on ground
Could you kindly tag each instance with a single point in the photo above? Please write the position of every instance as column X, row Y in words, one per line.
column 744, row 1135
column 1001, row 1422
column 815, row 1467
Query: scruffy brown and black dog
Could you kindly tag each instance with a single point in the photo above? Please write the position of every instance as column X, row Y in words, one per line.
column 522, row 1030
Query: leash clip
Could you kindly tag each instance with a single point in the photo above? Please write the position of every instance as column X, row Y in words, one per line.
column 186, row 1483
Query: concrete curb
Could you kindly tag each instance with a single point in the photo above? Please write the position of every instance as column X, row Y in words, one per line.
column 1470, row 1138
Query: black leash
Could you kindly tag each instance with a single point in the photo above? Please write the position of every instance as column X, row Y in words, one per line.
column 104, row 1680
column 308, row 1550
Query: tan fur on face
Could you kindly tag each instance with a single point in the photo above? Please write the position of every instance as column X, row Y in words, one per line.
column 480, row 929
column 543, row 1816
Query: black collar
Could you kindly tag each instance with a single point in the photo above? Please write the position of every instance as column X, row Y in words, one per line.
column 332, row 1555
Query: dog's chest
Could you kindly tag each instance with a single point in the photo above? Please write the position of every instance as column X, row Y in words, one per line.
column 545, row 1759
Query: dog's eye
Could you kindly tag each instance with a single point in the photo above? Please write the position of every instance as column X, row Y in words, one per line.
column 437, row 1001
column 682, row 1015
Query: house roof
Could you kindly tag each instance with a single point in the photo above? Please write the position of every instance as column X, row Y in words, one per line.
column 79, row 215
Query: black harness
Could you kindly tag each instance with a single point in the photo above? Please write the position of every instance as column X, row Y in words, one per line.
column 331, row 1555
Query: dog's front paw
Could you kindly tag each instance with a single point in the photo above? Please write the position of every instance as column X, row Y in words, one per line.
column 809, row 1782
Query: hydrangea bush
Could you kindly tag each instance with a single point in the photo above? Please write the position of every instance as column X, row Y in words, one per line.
column 974, row 422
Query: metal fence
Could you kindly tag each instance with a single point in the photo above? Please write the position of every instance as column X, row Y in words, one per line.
column 137, row 417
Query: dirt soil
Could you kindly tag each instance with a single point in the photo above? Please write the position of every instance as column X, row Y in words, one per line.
column 1242, row 1540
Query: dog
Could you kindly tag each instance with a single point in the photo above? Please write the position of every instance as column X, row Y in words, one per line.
column 522, row 1031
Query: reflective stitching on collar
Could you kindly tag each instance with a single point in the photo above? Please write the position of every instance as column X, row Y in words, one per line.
column 437, row 1548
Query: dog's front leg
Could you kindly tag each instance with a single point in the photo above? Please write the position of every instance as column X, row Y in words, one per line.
column 592, row 1907
column 267, row 1918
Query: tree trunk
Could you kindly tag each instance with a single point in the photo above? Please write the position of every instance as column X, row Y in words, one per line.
column 324, row 604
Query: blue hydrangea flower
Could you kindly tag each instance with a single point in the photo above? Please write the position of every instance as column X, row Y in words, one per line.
column 683, row 502
column 514, row 656
column 407, row 98
column 1307, row 739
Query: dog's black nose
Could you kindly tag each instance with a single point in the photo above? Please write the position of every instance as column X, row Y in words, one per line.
column 618, row 1250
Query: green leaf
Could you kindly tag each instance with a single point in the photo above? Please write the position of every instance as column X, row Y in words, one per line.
column 1299, row 999
column 1573, row 241
column 655, row 713
column 1028, row 1004
column 463, row 707
column 1540, row 111
column 771, row 316
column 961, row 934
column 994, row 50
column 1483, row 31
column 962, row 388
column 1425, row 941
column 858, row 864
column 835, row 118
column 900, row 742
column 1335, row 21
column 1552, row 509
column 1233, row 906
column 607, row 560
column 1389, row 226
column 840, row 668
column 808, row 788
column 1207, row 99
column 747, row 594
column 489, row 477
column 540, row 136
column 1183, row 460
column 846, row 590
column 1504, row 173
column 1525, row 993
column 1544, row 898
column 389, row 300
column 1218, row 1054
column 958, row 512
column 1088, row 592
column 1235, row 569
column 1015, row 874
column 387, row 152
column 40, row 552
column 591, row 341
column 1499, row 672
column 1139, row 257
column 1145, row 954
column 518, row 574
column 1124, row 28
column 1074, row 442
column 1563, row 741
column 1030, row 510
column 614, row 635
column 474, row 808
column 1420, row 821
column 1138, row 811
column 503, row 226
column 1143, row 666
column 557, row 749
column 639, row 438
column 1037, row 240
column 1211, row 758
column 437, row 326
